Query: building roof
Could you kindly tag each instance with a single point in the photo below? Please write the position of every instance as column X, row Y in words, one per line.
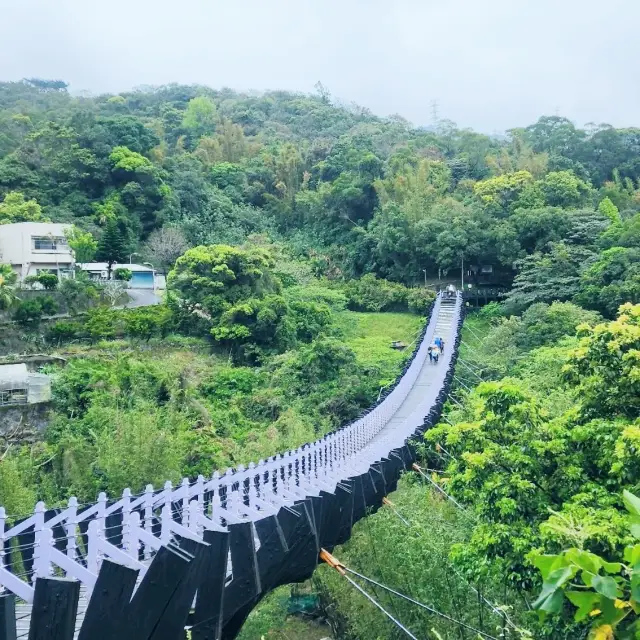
column 14, row 376
column 103, row 266
column 38, row 228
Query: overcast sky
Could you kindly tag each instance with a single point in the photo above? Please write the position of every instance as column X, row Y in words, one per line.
column 489, row 64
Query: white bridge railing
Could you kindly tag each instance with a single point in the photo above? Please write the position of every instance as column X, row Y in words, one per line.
column 73, row 541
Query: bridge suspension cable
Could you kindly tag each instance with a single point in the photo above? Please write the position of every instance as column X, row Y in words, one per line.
column 343, row 570
column 494, row 608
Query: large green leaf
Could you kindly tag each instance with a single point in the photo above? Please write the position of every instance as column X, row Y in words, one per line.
column 632, row 555
column 606, row 586
column 550, row 598
column 545, row 563
column 631, row 502
column 584, row 560
column 611, row 567
column 635, row 526
column 635, row 586
column 586, row 601
column 551, row 602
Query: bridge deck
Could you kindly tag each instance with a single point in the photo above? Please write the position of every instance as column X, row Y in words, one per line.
column 419, row 400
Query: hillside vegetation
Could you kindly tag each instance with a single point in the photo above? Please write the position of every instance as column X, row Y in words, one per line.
column 298, row 237
column 352, row 192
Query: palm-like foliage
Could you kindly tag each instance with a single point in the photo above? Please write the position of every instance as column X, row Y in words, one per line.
column 8, row 279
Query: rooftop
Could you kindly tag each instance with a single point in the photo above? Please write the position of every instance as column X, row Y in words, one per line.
column 103, row 266
column 44, row 228
column 13, row 376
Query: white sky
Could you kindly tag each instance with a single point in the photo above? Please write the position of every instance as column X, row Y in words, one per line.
column 490, row 64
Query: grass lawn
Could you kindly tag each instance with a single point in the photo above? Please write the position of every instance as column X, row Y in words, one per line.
column 370, row 335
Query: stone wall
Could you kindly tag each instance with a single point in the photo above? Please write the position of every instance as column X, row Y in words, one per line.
column 23, row 423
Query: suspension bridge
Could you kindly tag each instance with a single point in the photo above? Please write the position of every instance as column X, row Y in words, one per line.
column 199, row 556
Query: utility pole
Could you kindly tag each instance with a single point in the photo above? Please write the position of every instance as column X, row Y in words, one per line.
column 434, row 113
column 462, row 273
column 425, row 277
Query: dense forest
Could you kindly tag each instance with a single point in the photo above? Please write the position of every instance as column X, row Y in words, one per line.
column 352, row 192
column 300, row 237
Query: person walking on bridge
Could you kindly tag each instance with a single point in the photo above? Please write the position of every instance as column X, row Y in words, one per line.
column 435, row 352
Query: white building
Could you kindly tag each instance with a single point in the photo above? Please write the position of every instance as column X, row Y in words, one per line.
column 143, row 277
column 18, row 386
column 32, row 248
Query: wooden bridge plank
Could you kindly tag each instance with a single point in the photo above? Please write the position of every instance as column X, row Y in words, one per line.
column 171, row 624
column 110, row 598
column 168, row 568
column 55, row 603
column 207, row 617
column 8, row 617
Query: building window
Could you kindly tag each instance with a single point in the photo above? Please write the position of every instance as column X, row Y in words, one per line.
column 48, row 243
column 51, row 271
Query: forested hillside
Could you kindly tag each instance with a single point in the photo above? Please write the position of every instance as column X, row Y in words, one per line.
column 300, row 237
column 353, row 192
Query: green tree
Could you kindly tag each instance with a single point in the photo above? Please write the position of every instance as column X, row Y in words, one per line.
column 211, row 279
column 122, row 273
column 607, row 208
column 200, row 117
column 605, row 366
column 82, row 243
column 605, row 592
column 78, row 292
column 564, row 189
column 15, row 208
column 49, row 281
column 612, row 280
column 551, row 276
column 111, row 246
column 499, row 194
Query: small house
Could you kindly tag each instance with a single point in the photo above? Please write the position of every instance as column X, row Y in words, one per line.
column 143, row 276
column 18, row 386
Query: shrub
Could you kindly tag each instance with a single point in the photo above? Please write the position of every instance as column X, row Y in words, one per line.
column 63, row 331
column 30, row 312
column 419, row 299
column 101, row 324
column 48, row 305
column 491, row 311
column 373, row 294
column 79, row 292
column 310, row 319
column 335, row 298
column 30, row 280
column 146, row 322
column 123, row 274
column 48, row 280
column 544, row 324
